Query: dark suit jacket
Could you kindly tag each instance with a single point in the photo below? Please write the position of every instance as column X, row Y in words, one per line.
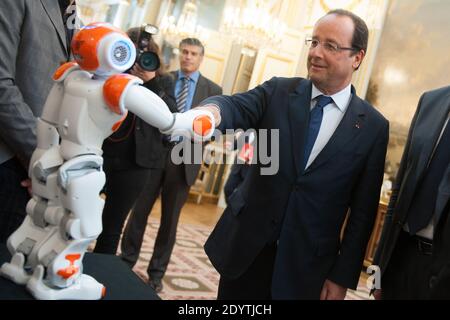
column 440, row 278
column 237, row 175
column 426, row 127
column 305, row 210
column 136, row 142
column 33, row 44
column 205, row 88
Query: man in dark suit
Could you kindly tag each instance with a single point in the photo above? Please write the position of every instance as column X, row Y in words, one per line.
column 413, row 250
column 279, row 237
column 34, row 41
column 173, row 181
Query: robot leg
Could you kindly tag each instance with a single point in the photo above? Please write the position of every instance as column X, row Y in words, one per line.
column 26, row 241
column 80, row 180
column 38, row 226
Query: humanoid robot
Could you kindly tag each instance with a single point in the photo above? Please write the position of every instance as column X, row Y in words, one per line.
column 87, row 103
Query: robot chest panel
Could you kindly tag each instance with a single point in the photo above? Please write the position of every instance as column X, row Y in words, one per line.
column 84, row 112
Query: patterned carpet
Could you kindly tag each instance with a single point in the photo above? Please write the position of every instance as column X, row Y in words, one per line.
column 190, row 275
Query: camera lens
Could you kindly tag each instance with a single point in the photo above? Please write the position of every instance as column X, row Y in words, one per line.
column 149, row 61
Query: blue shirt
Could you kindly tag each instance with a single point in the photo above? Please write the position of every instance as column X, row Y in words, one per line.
column 192, row 85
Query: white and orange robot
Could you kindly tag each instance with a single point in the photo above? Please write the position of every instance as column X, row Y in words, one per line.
column 88, row 102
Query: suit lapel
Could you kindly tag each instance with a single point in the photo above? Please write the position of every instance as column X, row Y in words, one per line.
column 424, row 137
column 351, row 125
column 299, row 107
column 51, row 7
column 426, row 147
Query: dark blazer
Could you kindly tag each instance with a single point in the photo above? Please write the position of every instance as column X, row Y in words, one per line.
column 440, row 278
column 426, row 127
column 136, row 142
column 33, row 45
column 237, row 175
column 305, row 210
column 205, row 88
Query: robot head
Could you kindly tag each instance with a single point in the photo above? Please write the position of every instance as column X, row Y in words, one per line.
column 103, row 49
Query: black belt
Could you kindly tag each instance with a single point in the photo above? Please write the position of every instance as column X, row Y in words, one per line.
column 423, row 245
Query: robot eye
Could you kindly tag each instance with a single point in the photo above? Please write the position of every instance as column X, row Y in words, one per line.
column 121, row 53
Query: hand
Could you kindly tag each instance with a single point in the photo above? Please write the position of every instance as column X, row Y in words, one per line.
column 215, row 110
column 27, row 184
column 141, row 73
column 377, row 294
column 196, row 124
column 332, row 291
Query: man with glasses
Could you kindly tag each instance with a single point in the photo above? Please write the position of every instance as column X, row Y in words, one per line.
column 279, row 237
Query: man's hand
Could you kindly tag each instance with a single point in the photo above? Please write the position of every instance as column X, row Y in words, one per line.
column 27, row 184
column 141, row 73
column 332, row 291
column 377, row 294
column 215, row 110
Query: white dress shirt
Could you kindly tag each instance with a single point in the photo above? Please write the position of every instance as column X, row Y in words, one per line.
column 332, row 116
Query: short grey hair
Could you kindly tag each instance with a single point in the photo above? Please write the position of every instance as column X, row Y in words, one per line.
column 193, row 42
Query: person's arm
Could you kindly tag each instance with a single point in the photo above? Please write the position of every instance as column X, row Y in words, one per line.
column 240, row 111
column 17, row 122
column 363, row 209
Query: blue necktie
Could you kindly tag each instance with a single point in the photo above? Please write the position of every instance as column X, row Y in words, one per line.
column 315, row 120
column 183, row 94
column 181, row 104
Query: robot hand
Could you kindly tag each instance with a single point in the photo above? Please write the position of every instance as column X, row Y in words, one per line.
column 195, row 124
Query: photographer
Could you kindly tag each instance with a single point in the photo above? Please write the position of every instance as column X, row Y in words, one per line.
column 174, row 180
column 136, row 147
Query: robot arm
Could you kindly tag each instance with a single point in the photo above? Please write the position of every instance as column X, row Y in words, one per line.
column 149, row 107
column 123, row 92
column 194, row 124
column 46, row 156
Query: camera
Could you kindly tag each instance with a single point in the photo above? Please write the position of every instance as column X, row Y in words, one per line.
column 149, row 61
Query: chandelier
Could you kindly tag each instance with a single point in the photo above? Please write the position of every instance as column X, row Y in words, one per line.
column 186, row 26
column 254, row 25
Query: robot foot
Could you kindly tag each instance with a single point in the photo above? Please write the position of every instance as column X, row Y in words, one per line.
column 84, row 288
column 14, row 270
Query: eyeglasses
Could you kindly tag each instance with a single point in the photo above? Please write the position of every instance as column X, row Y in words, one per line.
column 328, row 46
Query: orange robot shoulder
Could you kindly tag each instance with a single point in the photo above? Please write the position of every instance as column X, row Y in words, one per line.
column 64, row 70
column 115, row 88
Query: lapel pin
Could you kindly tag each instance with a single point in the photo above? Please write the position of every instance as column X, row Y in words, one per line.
column 357, row 126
